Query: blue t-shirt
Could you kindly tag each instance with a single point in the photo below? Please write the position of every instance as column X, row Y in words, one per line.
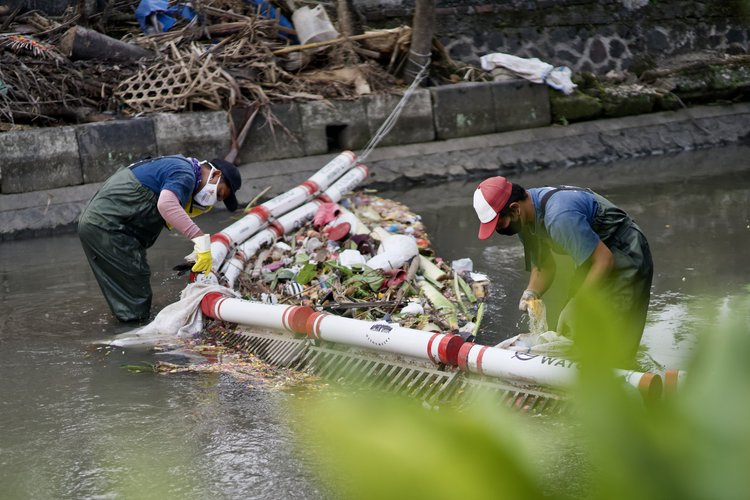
column 175, row 173
column 568, row 220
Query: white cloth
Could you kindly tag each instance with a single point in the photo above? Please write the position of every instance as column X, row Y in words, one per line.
column 532, row 69
column 180, row 320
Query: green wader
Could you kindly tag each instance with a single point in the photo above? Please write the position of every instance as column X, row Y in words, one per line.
column 628, row 287
column 116, row 227
column 629, row 284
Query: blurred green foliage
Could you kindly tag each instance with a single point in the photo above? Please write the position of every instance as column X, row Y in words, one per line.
column 608, row 445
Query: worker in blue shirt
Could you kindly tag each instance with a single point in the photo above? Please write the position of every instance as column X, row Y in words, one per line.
column 126, row 215
column 610, row 252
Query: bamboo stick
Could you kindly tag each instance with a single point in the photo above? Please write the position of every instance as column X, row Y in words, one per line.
column 442, row 305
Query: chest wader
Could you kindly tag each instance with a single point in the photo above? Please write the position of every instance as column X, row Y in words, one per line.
column 628, row 287
column 117, row 226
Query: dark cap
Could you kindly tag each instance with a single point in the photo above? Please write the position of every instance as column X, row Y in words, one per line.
column 230, row 173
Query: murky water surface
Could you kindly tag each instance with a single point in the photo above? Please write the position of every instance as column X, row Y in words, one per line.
column 73, row 423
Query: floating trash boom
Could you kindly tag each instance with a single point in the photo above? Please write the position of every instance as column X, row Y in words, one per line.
column 288, row 223
column 223, row 241
column 538, row 369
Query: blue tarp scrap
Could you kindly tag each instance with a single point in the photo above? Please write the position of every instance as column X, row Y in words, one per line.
column 163, row 14
column 267, row 10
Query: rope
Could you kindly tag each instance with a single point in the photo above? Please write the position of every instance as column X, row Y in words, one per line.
column 390, row 121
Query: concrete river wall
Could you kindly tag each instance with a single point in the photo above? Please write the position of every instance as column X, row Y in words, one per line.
column 464, row 130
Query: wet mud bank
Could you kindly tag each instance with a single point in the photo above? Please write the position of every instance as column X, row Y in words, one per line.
column 47, row 211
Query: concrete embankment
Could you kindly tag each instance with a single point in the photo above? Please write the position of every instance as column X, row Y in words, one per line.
column 461, row 131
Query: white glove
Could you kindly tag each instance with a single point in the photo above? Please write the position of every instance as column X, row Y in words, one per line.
column 526, row 298
column 202, row 251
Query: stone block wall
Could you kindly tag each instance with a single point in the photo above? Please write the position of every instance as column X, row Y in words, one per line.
column 59, row 157
column 585, row 35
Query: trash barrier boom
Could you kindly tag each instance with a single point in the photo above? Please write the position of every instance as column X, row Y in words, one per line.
column 245, row 312
column 244, row 228
column 381, row 336
column 673, row 380
column 289, row 222
column 538, row 369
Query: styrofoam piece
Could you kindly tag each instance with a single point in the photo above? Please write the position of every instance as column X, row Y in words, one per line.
column 351, row 257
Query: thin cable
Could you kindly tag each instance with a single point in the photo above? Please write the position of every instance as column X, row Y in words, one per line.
column 392, row 118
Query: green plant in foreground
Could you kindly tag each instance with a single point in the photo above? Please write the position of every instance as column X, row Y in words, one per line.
column 610, row 445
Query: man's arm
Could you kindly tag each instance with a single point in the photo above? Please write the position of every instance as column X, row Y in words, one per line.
column 602, row 262
column 171, row 211
column 541, row 277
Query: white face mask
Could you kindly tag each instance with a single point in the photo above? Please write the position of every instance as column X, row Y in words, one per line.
column 206, row 197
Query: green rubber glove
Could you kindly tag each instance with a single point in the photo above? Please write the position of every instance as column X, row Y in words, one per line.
column 202, row 250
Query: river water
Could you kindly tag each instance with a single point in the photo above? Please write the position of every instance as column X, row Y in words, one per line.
column 73, row 423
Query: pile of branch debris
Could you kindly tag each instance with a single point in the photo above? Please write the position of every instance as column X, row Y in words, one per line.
column 150, row 55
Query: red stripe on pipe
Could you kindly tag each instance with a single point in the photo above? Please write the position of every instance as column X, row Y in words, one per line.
column 429, row 348
column 298, row 318
column 325, row 198
column 448, row 349
column 364, row 169
column 479, row 359
column 221, row 238
column 208, row 302
column 218, row 307
column 310, row 326
column 671, row 379
column 283, row 318
column 319, row 324
column 463, row 355
column 650, row 386
column 311, row 186
column 277, row 228
column 261, row 212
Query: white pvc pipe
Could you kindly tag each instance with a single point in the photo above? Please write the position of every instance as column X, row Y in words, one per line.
column 673, row 380
column 291, row 222
column 244, row 312
column 244, row 228
column 436, row 347
column 232, row 268
column 334, row 169
column 538, row 369
column 231, row 272
column 345, row 184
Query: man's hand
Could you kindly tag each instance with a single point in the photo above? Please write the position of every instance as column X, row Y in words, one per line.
column 202, row 251
column 526, row 300
column 565, row 320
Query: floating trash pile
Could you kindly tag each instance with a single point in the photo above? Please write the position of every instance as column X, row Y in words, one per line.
column 346, row 286
column 368, row 258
